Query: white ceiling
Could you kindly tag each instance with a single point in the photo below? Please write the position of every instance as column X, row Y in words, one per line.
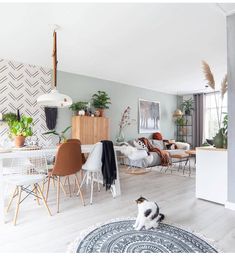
column 155, row 46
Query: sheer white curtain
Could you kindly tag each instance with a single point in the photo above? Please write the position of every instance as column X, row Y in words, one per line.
column 211, row 126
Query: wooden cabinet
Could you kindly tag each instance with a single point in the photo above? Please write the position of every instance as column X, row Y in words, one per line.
column 90, row 130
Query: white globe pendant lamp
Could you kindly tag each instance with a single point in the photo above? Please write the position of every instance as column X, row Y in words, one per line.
column 54, row 98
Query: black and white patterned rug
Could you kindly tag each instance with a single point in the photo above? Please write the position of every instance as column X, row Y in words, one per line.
column 120, row 237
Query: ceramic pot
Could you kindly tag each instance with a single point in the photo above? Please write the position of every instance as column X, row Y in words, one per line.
column 219, row 140
column 97, row 113
column 81, row 112
column 19, row 141
column 187, row 112
column 101, row 110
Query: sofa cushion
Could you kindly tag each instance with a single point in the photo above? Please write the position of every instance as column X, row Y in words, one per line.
column 157, row 136
column 176, row 152
column 183, row 145
column 158, row 143
column 140, row 145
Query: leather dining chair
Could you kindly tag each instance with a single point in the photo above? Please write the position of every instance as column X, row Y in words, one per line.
column 83, row 156
column 68, row 162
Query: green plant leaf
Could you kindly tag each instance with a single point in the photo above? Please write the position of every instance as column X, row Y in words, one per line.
column 66, row 129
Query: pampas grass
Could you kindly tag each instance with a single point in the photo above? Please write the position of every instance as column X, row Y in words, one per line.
column 224, row 86
column 208, row 75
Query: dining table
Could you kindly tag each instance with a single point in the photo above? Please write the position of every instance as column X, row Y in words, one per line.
column 48, row 152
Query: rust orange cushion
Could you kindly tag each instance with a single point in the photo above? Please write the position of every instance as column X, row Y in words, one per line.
column 157, row 136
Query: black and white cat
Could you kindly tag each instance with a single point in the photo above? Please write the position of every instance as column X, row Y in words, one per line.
column 148, row 214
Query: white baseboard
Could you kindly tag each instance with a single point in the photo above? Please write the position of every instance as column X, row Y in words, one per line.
column 230, row 205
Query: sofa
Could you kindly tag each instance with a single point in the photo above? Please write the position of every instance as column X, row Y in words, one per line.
column 137, row 155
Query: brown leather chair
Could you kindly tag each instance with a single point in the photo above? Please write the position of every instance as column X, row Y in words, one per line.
column 83, row 156
column 68, row 162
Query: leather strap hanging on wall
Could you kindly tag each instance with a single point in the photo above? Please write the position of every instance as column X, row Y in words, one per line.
column 51, row 117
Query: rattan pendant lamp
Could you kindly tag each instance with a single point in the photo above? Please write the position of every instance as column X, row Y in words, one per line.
column 54, row 98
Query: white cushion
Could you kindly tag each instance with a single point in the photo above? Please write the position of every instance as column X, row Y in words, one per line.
column 183, row 145
column 19, row 180
column 140, row 145
column 139, row 154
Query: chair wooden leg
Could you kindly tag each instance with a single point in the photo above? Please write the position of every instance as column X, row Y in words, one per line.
column 62, row 187
column 12, row 198
column 53, row 180
column 43, row 198
column 58, row 194
column 79, row 189
column 43, row 185
column 75, row 185
column 69, row 187
column 65, row 180
column 17, row 205
column 36, row 193
column 48, row 187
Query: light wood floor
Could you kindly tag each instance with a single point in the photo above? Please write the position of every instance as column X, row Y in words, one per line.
column 36, row 232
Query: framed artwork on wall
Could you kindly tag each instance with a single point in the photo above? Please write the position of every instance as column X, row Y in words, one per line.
column 149, row 116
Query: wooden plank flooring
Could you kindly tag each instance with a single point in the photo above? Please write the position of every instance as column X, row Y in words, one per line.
column 36, row 232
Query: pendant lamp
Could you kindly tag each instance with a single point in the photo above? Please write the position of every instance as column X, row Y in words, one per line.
column 178, row 113
column 54, row 98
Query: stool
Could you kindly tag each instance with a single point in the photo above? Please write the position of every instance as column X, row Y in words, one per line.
column 183, row 157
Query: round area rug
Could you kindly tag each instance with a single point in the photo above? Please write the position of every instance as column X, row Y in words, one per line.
column 120, row 237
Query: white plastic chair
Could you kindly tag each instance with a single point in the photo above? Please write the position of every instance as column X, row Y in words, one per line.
column 92, row 168
column 25, row 174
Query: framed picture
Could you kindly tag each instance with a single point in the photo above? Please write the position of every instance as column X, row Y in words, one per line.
column 149, row 116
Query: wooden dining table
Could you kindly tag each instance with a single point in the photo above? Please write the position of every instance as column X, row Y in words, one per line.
column 11, row 154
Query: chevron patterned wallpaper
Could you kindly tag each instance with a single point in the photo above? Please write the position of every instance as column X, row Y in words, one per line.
column 20, row 86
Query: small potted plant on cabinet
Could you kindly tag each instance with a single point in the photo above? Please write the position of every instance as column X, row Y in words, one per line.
column 20, row 129
column 79, row 107
column 101, row 101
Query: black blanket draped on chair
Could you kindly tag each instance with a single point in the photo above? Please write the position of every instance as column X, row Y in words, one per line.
column 109, row 170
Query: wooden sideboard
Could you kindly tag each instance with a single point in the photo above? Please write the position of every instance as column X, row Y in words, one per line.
column 90, row 130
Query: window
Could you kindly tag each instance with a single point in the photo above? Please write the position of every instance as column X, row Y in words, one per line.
column 211, row 125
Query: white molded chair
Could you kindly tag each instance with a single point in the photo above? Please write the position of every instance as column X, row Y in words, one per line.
column 92, row 168
column 25, row 174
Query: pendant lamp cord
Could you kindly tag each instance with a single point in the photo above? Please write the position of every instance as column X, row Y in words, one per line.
column 54, row 59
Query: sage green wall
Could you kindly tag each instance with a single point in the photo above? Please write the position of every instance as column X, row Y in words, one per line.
column 81, row 88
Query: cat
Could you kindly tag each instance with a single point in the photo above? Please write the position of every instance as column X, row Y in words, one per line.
column 148, row 214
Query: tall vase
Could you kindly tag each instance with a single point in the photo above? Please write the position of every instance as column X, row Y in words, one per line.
column 120, row 137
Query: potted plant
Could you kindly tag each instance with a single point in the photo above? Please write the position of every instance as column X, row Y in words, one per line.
column 101, row 101
column 181, row 122
column 61, row 135
column 9, row 118
column 187, row 106
column 220, row 138
column 79, row 107
column 20, row 129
